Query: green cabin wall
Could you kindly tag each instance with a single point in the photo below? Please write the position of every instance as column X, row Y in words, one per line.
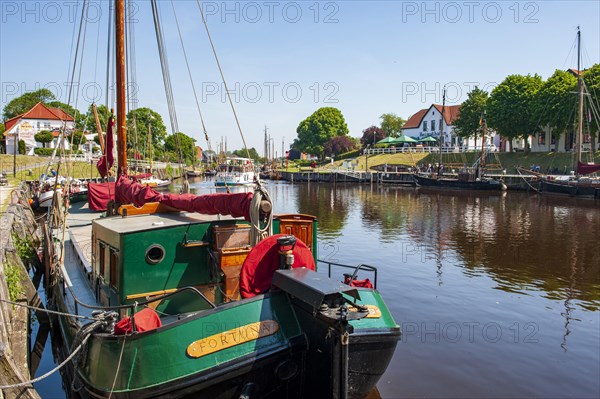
column 182, row 266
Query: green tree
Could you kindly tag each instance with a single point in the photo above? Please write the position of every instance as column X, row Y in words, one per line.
column 556, row 102
column 392, row 124
column 313, row 132
column 103, row 115
column 180, row 144
column 591, row 77
column 22, row 147
column 467, row 123
column 44, row 136
column 511, row 106
column 253, row 154
column 78, row 138
column 137, row 125
column 24, row 103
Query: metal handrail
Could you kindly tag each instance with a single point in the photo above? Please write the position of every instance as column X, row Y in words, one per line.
column 136, row 304
column 361, row 266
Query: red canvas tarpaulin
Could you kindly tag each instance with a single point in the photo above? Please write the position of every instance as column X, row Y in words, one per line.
column 99, row 194
column 587, row 168
column 107, row 159
column 236, row 205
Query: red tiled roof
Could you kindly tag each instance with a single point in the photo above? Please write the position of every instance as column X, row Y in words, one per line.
column 451, row 112
column 415, row 120
column 8, row 124
column 63, row 116
column 39, row 111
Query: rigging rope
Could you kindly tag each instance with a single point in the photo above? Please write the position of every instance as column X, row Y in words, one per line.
column 162, row 52
column 212, row 45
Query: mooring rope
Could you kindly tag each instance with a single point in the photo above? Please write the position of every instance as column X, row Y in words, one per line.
column 258, row 233
column 48, row 310
column 49, row 373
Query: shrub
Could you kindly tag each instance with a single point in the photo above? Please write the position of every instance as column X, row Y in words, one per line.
column 43, row 151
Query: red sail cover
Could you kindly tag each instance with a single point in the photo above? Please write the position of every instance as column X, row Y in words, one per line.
column 587, row 168
column 99, row 194
column 107, row 159
column 236, row 205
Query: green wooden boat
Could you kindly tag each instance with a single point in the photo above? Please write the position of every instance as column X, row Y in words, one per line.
column 157, row 301
column 308, row 335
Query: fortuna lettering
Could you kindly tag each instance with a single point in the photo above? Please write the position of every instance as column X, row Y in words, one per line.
column 236, row 336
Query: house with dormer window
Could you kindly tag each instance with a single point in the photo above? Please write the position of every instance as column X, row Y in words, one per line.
column 26, row 126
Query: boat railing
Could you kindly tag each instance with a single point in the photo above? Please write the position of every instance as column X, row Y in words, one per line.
column 136, row 304
column 362, row 266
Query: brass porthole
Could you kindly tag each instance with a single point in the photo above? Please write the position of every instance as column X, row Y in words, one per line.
column 155, row 254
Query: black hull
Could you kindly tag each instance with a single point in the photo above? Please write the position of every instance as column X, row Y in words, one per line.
column 573, row 189
column 453, row 183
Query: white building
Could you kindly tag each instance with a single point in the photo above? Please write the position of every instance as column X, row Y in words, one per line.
column 26, row 126
column 428, row 121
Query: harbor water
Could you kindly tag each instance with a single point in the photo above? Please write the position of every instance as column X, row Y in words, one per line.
column 497, row 294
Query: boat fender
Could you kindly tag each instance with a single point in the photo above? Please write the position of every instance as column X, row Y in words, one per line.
column 145, row 320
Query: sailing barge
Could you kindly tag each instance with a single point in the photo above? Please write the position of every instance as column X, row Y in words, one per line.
column 214, row 316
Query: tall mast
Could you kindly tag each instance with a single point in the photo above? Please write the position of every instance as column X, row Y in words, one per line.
column 580, row 92
column 121, row 82
column 483, row 135
column 442, row 124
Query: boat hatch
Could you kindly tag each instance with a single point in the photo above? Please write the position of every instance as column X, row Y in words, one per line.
column 319, row 292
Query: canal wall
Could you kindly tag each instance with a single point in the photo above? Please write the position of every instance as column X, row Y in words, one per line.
column 19, row 238
column 513, row 182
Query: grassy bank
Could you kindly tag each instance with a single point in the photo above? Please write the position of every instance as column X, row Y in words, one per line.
column 548, row 162
column 31, row 167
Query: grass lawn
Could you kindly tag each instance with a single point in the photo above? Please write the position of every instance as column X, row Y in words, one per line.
column 30, row 167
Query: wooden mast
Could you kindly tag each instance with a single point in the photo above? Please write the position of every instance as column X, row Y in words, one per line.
column 442, row 130
column 483, row 135
column 580, row 92
column 121, row 83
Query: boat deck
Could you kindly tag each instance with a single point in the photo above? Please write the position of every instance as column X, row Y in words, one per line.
column 78, row 256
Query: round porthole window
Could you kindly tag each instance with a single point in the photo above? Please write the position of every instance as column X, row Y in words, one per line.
column 155, row 254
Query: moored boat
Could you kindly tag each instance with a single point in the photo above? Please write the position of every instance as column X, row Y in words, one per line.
column 235, row 172
column 210, row 296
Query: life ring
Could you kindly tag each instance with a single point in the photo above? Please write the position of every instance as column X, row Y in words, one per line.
column 262, row 262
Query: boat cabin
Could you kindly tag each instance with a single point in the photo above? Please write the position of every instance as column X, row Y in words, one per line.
column 136, row 258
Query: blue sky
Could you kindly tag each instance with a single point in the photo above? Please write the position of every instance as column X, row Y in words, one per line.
column 284, row 60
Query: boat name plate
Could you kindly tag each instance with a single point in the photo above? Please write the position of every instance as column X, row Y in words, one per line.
column 233, row 337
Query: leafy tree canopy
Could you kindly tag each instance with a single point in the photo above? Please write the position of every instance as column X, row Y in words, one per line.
column 339, row 145
column 556, row 102
column 25, row 102
column 392, row 124
column 181, row 145
column 372, row 135
column 103, row 115
column 591, row 77
column 317, row 129
column 137, row 125
column 511, row 106
column 467, row 123
column 43, row 137
column 243, row 154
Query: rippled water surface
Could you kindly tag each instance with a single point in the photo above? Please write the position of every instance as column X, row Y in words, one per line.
column 497, row 295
